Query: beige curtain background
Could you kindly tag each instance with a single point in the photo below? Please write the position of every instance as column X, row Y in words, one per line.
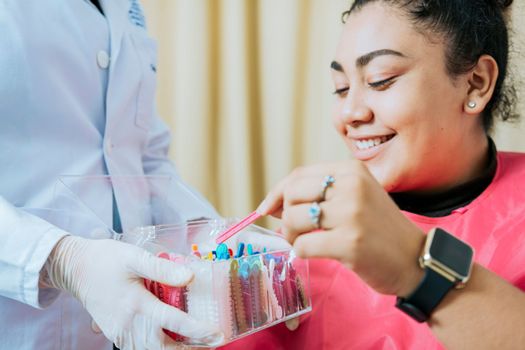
column 245, row 87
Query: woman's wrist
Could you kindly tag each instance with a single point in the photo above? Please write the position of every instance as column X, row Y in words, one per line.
column 413, row 273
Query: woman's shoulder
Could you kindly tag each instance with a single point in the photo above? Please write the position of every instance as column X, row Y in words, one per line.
column 511, row 163
column 511, row 155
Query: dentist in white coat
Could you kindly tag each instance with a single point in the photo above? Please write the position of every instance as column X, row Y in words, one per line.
column 77, row 86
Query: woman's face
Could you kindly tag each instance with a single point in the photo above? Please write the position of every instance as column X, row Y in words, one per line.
column 396, row 107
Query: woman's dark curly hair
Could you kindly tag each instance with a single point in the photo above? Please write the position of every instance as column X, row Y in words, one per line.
column 472, row 28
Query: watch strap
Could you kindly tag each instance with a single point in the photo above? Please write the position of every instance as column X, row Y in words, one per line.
column 428, row 294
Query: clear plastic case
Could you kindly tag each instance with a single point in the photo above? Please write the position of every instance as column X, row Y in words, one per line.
column 242, row 294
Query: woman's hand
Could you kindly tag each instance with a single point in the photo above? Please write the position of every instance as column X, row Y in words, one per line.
column 359, row 224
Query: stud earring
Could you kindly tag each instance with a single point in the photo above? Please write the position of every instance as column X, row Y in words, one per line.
column 471, row 104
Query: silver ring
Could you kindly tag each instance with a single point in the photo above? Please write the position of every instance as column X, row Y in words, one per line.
column 328, row 181
column 315, row 214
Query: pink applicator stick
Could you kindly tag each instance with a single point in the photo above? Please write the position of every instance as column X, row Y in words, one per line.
column 237, row 227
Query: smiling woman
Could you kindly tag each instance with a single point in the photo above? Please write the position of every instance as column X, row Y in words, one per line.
column 414, row 98
column 253, row 78
column 417, row 84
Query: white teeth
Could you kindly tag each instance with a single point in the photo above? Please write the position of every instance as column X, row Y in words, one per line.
column 366, row 144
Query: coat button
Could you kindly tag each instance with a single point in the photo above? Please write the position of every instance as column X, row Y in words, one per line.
column 103, row 59
column 108, row 145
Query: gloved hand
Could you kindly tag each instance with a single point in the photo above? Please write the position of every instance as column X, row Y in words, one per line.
column 106, row 276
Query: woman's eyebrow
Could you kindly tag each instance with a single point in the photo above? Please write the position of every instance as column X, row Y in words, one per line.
column 362, row 61
column 337, row 66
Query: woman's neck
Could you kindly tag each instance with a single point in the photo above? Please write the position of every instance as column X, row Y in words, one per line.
column 442, row 203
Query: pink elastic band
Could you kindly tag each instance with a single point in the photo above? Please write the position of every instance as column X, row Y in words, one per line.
column 237, row 227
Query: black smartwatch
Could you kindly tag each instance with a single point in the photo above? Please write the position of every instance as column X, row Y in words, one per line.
column 448, row 263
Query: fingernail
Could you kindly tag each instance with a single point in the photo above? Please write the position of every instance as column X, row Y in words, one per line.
column 292, row 324
column 202, row 332
column 262, row 208
column 214, row 339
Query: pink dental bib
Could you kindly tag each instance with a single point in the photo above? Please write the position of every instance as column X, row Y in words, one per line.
column 347, row 314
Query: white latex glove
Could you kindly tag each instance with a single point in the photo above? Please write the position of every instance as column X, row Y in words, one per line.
column 106, row 276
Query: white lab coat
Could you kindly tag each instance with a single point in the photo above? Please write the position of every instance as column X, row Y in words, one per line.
column 76, row 97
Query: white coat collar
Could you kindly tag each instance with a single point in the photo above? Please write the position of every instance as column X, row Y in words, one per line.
column 116, row 14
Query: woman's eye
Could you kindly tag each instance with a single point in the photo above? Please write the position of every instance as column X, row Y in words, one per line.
column 381, row 83
column 341, row 92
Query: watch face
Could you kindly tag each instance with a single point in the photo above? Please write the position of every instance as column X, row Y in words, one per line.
column 451, row 252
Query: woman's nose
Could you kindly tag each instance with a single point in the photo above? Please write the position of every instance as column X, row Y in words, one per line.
column 355, row 111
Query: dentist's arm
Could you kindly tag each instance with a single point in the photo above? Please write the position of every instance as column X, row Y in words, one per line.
column 25, row 243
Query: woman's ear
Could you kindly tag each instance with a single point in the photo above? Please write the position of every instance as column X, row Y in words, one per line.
column 482, row 82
